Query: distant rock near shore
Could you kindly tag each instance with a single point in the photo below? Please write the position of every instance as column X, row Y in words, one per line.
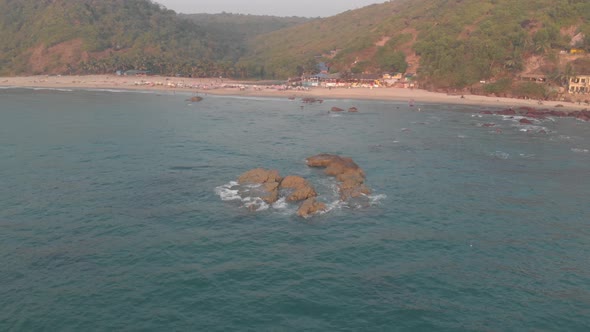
column 540, row 114
column 265, row 186
column 195, row 99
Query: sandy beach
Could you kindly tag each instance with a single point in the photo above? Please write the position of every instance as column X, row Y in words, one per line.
column 217, row 86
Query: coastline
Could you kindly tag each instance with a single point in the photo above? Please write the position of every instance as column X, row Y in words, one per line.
column 217, row 86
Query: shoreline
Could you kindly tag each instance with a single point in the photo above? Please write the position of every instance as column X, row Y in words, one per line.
column 224, row 87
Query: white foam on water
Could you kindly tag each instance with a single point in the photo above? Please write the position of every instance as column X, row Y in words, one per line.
column 337, row 204
column 250, row 202
column 376, row 199
column 461, row 136
column 532, row 129
column 576, row 150
column 53, row 89
column 524, row 155
column 500, row 155
column 281, row 204
column 227, row 192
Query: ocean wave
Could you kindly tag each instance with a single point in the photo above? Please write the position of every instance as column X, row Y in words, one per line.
column 578, row 150
column 533, row 129
column 524, row 155
column 53, row 89
column 500, row 155
column 227, row 192
column 35, row 88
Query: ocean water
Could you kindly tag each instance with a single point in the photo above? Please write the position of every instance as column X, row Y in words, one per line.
column 116, row 215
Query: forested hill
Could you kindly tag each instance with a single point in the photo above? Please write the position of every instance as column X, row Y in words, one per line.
column 449, row 43
column 243, row 27
column 101, row 36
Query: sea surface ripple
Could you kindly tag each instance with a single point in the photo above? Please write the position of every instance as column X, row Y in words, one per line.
column 110, row 218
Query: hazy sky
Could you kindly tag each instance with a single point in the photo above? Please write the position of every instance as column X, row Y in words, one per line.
column 308, row 8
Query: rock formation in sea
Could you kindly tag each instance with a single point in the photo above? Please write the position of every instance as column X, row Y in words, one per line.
column 298, row 188
column 336, row 109
column 541, row 114
column 261, row 183
column 350, row 176
column 353, row 109
column 263, row 186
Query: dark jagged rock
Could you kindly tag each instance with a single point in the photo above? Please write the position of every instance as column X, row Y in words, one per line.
column 527, row 109
column 311, row 100
column 195, row 99
column 539, row 116
column 508, row 111
column 525, row 121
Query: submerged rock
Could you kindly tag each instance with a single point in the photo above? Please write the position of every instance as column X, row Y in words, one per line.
column 336, row 109
column 353, row 109
column 309, row 207
column 525, row 121
column 508, row 111
column 195, row 99
column 311, row 100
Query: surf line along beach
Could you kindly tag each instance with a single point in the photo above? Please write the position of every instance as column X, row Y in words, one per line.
column 217, row 86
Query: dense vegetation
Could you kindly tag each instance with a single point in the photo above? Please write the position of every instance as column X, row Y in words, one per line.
column 102, row 36
column 448, row 43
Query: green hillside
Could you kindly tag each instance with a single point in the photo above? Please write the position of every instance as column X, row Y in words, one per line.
column 449, row 43
column 242, row 27
column 101, row 36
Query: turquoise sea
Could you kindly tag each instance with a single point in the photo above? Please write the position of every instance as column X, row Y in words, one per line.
column 115, row 215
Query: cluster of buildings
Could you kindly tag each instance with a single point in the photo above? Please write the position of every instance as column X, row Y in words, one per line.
column 579, row 84
column 354, row 80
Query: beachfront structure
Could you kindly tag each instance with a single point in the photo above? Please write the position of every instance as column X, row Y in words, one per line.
column 537, row 78
column 579, row 84
column 353, row 80
column 134, row 72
